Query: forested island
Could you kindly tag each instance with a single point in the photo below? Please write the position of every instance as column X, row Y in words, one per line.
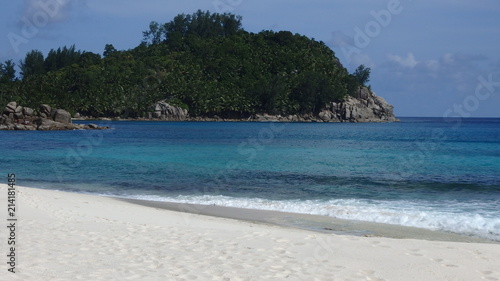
column 204, row 66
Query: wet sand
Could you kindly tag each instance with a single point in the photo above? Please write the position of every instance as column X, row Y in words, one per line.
column 316, row 223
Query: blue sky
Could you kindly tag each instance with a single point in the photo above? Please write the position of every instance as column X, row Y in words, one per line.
column 428, row 58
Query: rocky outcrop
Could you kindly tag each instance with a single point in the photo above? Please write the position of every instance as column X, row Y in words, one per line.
column 367, row 107
column 16, row 117
column 62, row 116
column 164, row 111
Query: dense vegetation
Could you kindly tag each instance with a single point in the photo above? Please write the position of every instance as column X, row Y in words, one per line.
column 204, row 62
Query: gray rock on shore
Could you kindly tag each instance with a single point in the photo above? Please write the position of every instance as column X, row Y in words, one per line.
column 16, row 117
column 10, row 107
column 62, row 116
column 367, row 107
column 167, row 112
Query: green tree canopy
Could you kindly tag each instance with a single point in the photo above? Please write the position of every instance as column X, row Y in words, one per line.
column 57, row 59
column 362, row 74
column 205, row 62
column 33, row 64
column 200, row 24
column 7, row 71
column 109, row 50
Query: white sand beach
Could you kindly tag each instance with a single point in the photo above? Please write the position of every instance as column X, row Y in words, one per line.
column 65, row 236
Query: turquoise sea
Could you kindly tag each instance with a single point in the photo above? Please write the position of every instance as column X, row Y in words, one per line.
column 424, row 172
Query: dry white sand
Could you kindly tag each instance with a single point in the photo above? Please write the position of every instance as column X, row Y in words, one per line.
column 64, row 236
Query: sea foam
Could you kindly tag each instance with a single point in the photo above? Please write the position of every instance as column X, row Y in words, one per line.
column 456, row 218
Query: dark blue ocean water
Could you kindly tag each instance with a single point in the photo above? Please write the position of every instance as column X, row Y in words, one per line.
column 423, row 172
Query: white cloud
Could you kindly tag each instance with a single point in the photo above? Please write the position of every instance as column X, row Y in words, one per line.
column 340, row 39
column 432, row 65
column 50, row 11
column 150, row 9
column 408, row 62
column 362, row 58
column 446, row 79
column 448, row 59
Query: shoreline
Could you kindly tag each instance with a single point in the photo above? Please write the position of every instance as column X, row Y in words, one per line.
column 71, row 236
column 316, row 223
column 280, row 119
column 307, row 222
